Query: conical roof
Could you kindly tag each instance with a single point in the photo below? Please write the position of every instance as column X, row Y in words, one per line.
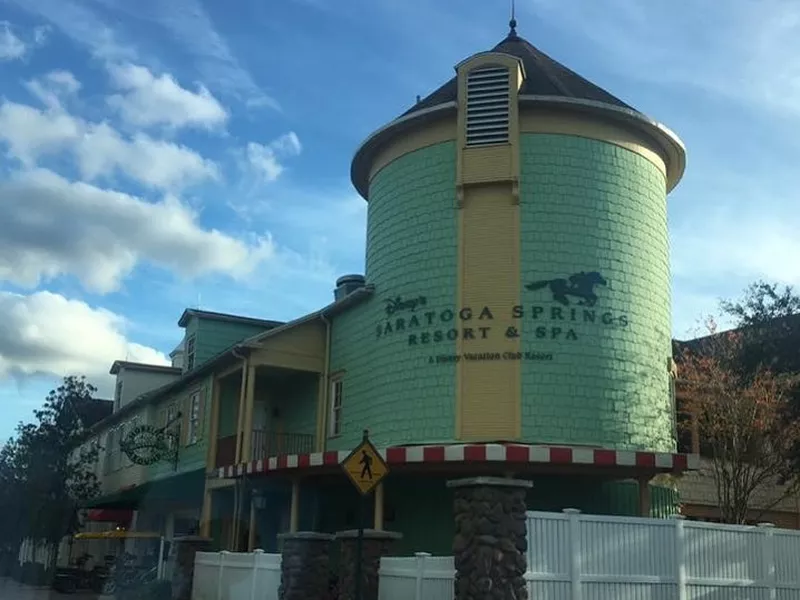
column 546, row 82
column 544, row 76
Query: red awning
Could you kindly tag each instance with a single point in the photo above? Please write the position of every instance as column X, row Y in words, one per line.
column 112, row 515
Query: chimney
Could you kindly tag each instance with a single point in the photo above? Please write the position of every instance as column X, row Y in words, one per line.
column 347, row 284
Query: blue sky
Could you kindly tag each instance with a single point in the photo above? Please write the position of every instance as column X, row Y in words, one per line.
column 158, row 155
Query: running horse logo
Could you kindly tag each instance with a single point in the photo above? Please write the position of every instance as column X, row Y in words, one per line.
column 580, row 285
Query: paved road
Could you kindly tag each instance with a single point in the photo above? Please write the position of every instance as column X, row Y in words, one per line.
column 11, row 590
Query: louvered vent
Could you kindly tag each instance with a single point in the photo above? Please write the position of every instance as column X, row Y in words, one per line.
column 487, row 106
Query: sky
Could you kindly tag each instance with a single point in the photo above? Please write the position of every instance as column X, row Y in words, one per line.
column 160, row 155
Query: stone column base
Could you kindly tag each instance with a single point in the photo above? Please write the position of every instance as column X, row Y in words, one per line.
column 182, row 555
column 305, row 565
column 491, row 542
column 376, row 545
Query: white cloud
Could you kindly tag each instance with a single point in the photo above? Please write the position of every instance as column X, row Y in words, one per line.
column 149, row 100
column 53, row 87
column 99, row 150
column 189, row 23
column 52, row 227
column 752, row 56
column 11, row 47
column 40, row 34
column 186, row 22
column 266, row 160
column 47, row 334
column 722, row 244
column 82, row 25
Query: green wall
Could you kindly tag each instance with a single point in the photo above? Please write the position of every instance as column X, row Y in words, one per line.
column 229, row 391
column 192, row 457
column 297, row 401
column 591, row 206
column 213, row 336
column 421, row 507
column 389, row 386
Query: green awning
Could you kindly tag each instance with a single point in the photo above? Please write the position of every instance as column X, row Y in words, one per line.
column 185, row 488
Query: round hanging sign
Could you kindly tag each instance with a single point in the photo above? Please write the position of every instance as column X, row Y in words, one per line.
column 144, row 445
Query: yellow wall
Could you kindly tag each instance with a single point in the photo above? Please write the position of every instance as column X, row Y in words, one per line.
column 488, row 390
column 301, row 347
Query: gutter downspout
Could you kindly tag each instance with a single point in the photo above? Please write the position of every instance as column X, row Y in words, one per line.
column 322, row 443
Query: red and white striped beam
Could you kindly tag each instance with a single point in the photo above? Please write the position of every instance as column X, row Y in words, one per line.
column 476, row 454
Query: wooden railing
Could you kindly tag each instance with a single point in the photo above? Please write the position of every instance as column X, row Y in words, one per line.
column 271, row 443
column 264, row 444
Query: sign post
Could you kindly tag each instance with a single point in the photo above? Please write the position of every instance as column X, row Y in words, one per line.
column 366, row 469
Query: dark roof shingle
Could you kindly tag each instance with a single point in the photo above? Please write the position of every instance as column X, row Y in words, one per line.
column 544, row 76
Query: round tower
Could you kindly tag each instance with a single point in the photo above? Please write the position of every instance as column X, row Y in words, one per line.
column 517, row 244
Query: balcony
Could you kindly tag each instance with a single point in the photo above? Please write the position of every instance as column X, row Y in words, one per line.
column 265, row 444
column 270, row 443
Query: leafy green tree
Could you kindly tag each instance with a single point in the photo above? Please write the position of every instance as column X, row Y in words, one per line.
column 49, row 468
column 768, row 316
column 12, row 512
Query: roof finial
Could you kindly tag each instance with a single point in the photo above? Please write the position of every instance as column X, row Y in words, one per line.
column 512, row 24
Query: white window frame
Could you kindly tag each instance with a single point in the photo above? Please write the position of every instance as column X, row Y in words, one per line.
column 194, row 418
column 118, row 394
column 108, row 451
column 335, row 413
column 171, row 412
column 191, row 350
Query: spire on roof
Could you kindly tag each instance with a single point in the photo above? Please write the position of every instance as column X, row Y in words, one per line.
column 512, row 24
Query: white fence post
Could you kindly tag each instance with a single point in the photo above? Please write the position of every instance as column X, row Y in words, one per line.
column 222, row 556
column 574, row 516
column 256, row 559
column 421, row 556
column 680, row 555
column 768, row 551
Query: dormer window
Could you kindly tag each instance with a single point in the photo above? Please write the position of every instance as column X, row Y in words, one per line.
column 488, row 106
column 190, row 351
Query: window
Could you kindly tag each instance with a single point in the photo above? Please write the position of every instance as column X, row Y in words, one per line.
column 488, row 106
column 167, row 422
column 335, row 424
column 190, row 353
column 118, row 394
column 114, row 448
column 194, row 418
column 108, row 449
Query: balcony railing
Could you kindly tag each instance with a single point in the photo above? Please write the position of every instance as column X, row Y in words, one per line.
column 271, row 443
column 264, row 444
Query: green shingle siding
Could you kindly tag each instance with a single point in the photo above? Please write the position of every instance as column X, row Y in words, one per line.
column 587, row 205
column 388, row 386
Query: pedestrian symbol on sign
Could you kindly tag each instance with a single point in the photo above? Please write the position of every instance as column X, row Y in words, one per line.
column 366, row 460
column 365, row 466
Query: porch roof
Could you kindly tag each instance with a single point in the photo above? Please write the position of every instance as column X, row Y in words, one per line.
column 508, row 456
column 227, row 356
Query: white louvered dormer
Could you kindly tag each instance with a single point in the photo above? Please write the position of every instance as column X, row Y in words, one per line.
column 488, row 106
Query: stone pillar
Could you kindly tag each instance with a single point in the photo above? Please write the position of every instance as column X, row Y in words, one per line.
column 376, row 545
column 305, row 565
column 491, row 538
column 182, row 555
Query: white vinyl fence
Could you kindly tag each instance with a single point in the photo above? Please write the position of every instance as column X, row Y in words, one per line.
column 420, row 577
column 236, row 576
column 572, row 556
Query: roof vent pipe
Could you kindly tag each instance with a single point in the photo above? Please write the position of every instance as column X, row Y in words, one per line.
column 346, row 284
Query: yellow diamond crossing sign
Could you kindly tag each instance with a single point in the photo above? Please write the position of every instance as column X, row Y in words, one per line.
column 365, row 467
